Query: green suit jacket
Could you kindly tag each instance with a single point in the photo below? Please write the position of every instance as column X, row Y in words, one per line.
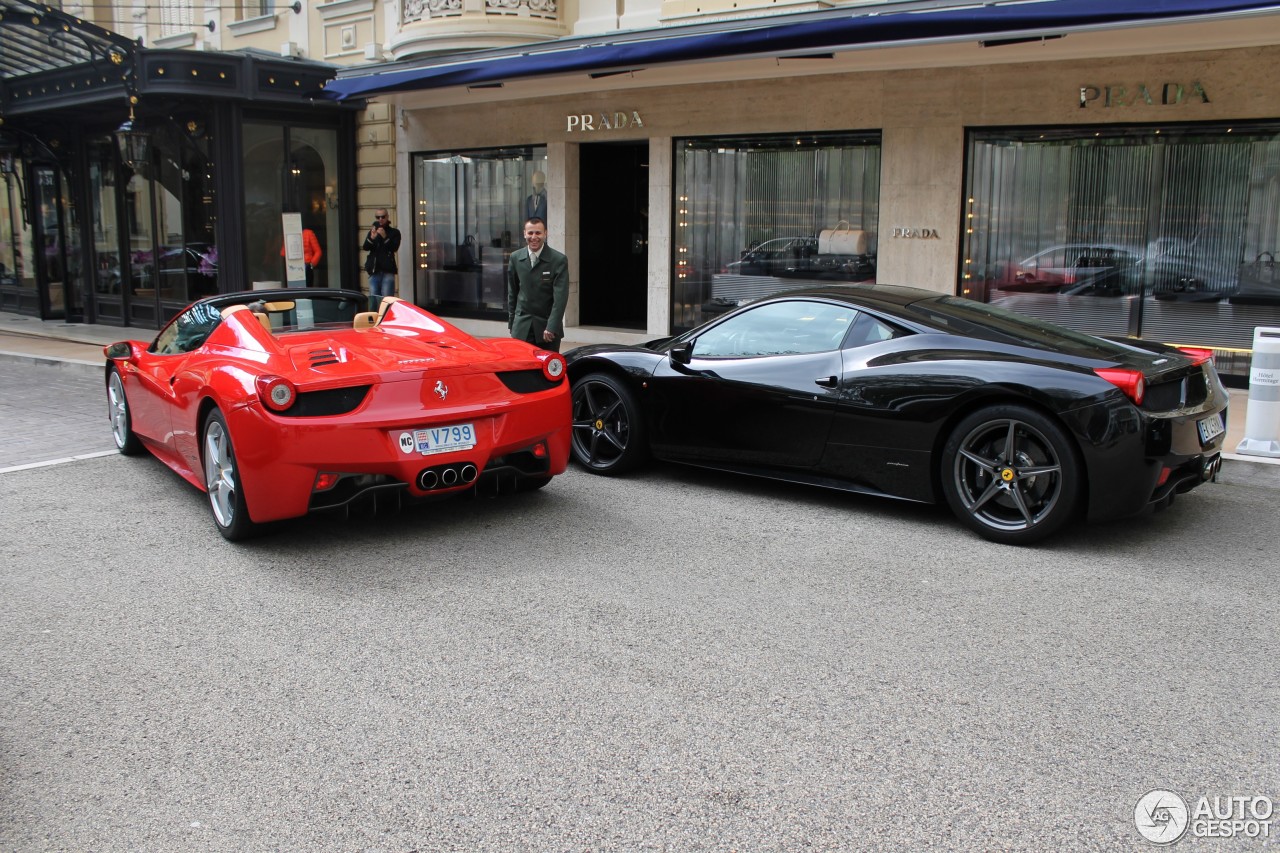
column 537, row 295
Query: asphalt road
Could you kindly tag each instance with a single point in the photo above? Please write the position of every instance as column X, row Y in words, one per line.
column 673, row 661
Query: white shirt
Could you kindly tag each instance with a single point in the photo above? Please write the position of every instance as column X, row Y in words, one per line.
column 533, row 258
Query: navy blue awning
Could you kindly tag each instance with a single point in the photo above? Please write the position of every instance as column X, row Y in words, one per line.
column 867, row 26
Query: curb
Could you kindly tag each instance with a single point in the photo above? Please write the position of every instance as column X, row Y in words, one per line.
column 93, row 368
column 1258, row 471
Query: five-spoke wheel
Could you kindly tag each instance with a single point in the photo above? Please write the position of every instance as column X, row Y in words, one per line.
column 608, row 431
column 222, row 480
column 121, row 420
column 1011, row 474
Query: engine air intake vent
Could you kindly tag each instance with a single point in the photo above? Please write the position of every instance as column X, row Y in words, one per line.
column 321, row 357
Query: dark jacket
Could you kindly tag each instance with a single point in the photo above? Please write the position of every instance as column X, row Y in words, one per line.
column 382, row 251
column 537, row 295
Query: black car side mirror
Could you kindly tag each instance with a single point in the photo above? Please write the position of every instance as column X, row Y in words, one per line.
column 681, row 353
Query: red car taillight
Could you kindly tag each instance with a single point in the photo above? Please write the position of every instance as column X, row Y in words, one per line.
column 1131, row 382
column 1198, row 355
column 276, row 392
column 552, row 364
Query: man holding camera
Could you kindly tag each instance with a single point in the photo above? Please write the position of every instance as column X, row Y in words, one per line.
column 382, row 244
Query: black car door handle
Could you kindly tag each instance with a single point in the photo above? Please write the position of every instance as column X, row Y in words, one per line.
column 828, row 381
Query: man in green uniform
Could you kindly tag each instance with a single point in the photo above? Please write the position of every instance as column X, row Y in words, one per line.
column 537, row 289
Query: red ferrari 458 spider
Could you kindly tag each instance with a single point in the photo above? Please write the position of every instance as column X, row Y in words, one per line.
column 283, row 402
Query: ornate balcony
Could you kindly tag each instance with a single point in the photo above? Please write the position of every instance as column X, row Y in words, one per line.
column 435, row 26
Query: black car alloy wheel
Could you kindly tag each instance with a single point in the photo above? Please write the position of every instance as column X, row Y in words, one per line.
column 1011, row 474
column 608, row 434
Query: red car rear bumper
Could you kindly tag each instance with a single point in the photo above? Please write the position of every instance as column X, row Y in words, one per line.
column 280, row 458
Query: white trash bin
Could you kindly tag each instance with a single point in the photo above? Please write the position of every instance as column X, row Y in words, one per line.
column 1262, row 423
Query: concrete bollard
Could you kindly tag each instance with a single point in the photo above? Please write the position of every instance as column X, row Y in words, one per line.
column 1262, row 423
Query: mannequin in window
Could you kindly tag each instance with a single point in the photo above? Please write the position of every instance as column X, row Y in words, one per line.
column 535, row 204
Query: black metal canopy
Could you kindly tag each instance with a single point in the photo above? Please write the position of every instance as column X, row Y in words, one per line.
column 54, row 67
column 48, row 56
column 35, row 38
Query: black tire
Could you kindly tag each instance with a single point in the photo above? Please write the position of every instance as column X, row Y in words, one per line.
column 1011, row 474
column 222, row 480
column 608, row 429
column 127, row 442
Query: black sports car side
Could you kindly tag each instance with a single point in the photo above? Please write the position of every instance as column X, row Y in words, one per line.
column 1019, row 425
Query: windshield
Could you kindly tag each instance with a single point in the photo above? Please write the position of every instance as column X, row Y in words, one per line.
column 307, row 313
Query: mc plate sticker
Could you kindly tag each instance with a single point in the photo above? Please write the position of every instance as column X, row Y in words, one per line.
column 438, row 439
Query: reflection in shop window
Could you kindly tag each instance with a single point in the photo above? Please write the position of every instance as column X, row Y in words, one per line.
column 469, row 212
column 756, row 215
column 1161, row 234
column 11, row 228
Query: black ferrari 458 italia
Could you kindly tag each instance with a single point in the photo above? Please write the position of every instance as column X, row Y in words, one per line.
column 1019, row 425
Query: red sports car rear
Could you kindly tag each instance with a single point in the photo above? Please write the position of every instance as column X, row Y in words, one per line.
column 284, row 402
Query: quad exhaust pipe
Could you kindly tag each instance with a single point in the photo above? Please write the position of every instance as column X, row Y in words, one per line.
column 445, row 476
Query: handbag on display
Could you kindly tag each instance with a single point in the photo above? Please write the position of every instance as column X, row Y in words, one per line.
column 1259, row 281
column 842, row 240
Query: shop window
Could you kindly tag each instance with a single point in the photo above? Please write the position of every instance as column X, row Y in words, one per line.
column 291, row 169
column 469, row 212
column 107, row 279
column 1166, row 234
column 756, row 215
column 168, row 226
column 15, row 235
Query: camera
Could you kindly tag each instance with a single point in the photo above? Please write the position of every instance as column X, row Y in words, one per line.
column 377, row 223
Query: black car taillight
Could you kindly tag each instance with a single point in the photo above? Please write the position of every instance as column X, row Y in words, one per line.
column 1131, row 382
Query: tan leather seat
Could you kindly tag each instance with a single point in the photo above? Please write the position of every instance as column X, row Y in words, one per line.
column 366, row 320
column 386, row 303
column 263, row 319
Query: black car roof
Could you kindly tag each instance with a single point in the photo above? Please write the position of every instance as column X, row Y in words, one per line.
column 886, row 295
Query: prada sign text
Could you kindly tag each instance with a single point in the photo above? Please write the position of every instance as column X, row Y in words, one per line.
column 1165, row 94
column 917, row 233
column 589, row 122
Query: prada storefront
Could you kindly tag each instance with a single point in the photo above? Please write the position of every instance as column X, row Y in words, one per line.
column 1119, row 177
column 135, row 181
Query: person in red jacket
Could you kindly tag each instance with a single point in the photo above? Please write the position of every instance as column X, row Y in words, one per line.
column 311, row 253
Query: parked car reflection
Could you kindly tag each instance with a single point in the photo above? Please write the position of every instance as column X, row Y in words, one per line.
column 186, row 272
column 1166, row 269
column 798, row 257
column 1095, row 269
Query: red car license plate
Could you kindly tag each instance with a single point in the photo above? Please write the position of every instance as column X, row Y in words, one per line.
column 444, row 439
